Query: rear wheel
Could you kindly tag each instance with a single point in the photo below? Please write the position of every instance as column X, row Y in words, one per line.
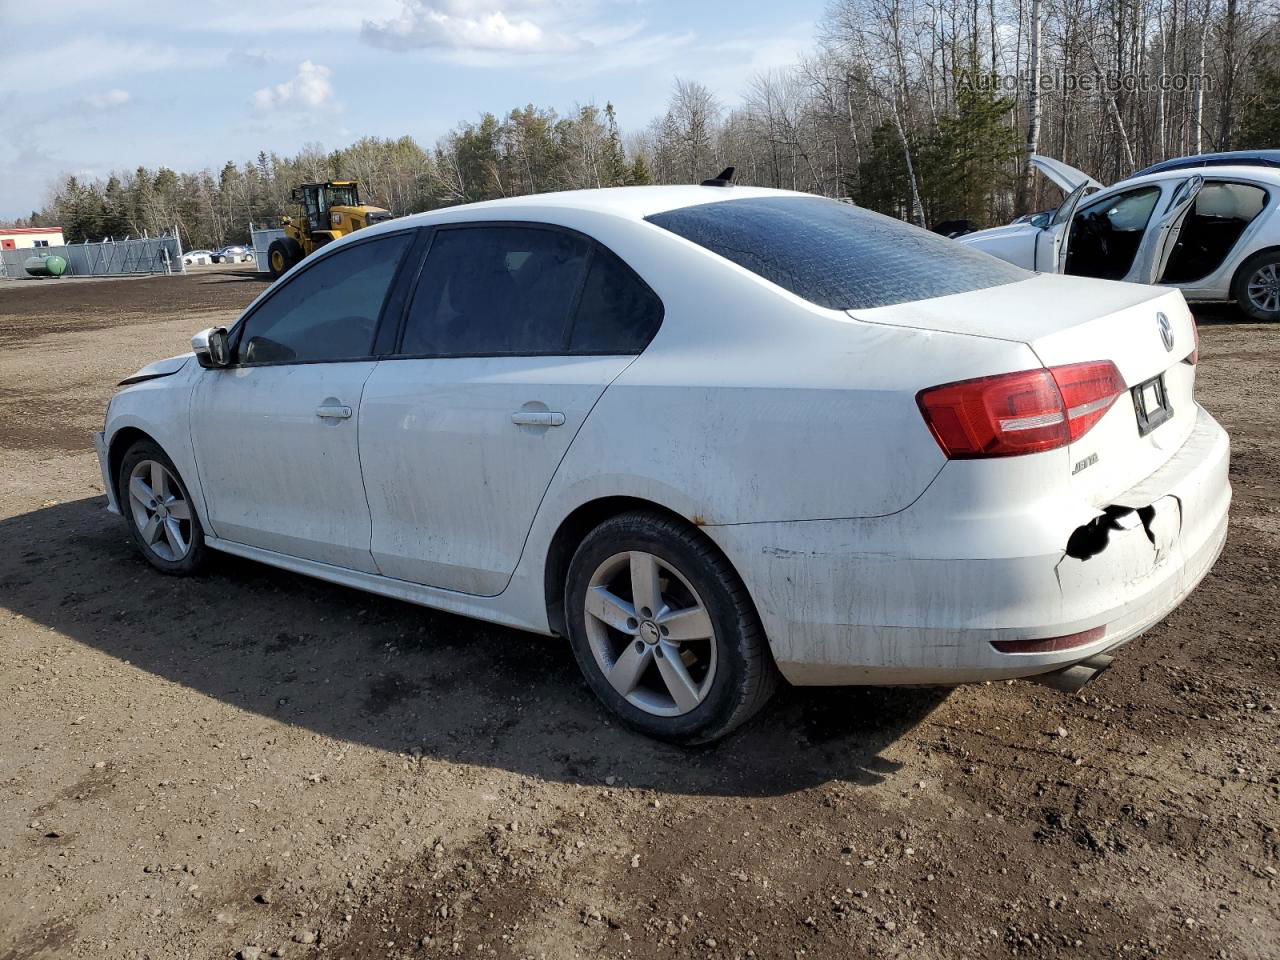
column 1257, row 286
column 664, row 631
column 158, row 508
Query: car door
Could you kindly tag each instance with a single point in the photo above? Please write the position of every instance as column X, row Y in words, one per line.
column 1162, row 232
column 1216, row 233
column 1107, row 233
column 513, row 333
column 1051, row 241
column 275, row 432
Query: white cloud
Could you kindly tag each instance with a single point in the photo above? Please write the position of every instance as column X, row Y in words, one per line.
column 85, row 60
column 108, row 100
column 481, row 25
column 308, row 89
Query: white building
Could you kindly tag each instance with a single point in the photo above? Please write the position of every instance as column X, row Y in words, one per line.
column 22, row 238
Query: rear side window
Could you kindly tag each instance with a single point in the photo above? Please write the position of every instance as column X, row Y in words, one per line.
column 618, row 313
column 834, row 254
column 329, row 311
column 493, row 291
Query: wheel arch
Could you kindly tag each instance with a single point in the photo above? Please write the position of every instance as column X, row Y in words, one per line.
column 122, row 440
column 1273, row 250
column 574, row 528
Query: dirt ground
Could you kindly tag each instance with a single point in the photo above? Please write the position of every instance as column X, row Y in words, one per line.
column 255, row 762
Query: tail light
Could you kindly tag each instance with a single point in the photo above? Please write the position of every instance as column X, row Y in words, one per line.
column 1194, row 356
column 1016, row 413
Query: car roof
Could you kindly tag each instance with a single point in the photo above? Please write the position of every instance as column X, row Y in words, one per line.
column 633, row 203
column 1262, row 158
column 1243, row 171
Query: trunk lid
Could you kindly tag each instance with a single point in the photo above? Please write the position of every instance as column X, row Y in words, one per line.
column 1072, row 320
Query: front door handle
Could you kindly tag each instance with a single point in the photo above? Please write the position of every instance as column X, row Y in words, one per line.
column 537, row 418
column 333, row 411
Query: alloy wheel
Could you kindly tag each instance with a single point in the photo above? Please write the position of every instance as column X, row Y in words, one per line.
column 160, row 510
column 1264, row 288
column 650, row 633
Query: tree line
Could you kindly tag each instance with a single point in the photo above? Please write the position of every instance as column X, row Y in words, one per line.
column 922, row 109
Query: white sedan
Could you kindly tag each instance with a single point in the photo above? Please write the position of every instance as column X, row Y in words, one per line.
column 1212, row 232
column 712, row 435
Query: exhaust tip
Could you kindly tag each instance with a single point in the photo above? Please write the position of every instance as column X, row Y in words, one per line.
column 1075, row 677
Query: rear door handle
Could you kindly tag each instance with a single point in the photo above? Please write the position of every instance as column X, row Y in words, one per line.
column 333, row 411
column 537, row 418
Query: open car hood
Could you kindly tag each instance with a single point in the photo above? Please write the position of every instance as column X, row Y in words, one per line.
column 1064, row 175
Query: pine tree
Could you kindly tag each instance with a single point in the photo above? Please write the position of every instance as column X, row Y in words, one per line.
column 1260, row 125
column 638, row 175
column 614, row 161
column 115, row 223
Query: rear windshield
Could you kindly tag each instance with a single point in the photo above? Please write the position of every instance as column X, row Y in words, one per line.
column 834, row 254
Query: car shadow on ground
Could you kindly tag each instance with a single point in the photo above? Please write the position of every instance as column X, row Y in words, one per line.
column 399, row 677
column 1219, row 314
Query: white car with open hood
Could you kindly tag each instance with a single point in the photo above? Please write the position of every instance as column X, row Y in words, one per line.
column 712, row 435
column 1212, row 232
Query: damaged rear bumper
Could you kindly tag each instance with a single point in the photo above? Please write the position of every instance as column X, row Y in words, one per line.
column 921, row 596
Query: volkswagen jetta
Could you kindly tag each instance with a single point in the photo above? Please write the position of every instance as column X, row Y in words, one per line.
column 712, row 435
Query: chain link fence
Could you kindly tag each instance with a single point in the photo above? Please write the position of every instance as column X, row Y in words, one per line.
column 104, row 259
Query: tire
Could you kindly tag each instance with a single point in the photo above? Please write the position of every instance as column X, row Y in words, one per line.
column 1256, row 288
column 717, row 682
column 174, row 543
column 281, row 255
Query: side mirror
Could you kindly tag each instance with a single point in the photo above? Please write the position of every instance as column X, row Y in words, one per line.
column 1042, row 219
column 211, row 348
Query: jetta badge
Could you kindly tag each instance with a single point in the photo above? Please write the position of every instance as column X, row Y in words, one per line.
column 1166, row 331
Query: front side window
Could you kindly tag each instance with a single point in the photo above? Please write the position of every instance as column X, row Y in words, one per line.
column 1105, row 235
column 496, row 291
column 834, row 254
column 329, row 311
column 343, row 197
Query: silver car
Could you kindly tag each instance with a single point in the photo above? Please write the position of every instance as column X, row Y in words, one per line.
column 1212, row 232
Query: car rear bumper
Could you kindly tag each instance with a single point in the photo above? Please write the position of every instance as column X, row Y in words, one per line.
column 871, row 601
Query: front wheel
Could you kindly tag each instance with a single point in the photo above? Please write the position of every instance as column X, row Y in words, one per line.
column 281, row 255
column 155, row 502
column 664, row 631
column 1257, row 286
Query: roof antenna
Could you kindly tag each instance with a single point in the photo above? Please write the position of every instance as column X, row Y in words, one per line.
column 720, row 180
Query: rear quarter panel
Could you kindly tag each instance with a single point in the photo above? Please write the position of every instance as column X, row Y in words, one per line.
column 754, row 405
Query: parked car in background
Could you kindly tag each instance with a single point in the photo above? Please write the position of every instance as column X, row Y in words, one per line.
column 197, row 256
column 1214, row 233
column 713, row 435
column 235, row 253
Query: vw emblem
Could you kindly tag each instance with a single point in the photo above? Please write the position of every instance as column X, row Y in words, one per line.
column 1166, row 330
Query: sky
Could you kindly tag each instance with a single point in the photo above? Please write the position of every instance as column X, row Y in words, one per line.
column 96, row 87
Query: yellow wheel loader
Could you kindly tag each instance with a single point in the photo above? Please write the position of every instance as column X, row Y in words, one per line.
column 329, row 211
